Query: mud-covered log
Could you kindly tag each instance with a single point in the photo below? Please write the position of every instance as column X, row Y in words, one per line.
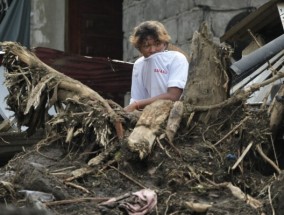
column 150, row 125
column 208, row 81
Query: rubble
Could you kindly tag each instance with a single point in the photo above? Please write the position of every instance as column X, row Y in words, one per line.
column 228, row 163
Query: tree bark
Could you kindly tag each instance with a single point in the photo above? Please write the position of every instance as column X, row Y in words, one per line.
column 149, row 127
column 208, row 82
column 34, row 87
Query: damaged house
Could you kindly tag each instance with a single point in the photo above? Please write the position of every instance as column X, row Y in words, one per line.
column 262, row 57
column 257, row 40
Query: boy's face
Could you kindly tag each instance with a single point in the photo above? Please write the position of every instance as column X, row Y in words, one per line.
column 151, row 46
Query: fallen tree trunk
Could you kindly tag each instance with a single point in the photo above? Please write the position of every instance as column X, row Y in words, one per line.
column 208, row 82
column 34, row 88
column 149, row 127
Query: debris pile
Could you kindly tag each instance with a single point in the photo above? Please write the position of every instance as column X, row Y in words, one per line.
column 96, row 159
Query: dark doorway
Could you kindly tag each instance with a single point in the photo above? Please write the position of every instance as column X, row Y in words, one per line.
column 95, row 28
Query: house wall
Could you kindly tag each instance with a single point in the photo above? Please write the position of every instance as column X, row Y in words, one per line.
column 48, row 24
column 182, row 18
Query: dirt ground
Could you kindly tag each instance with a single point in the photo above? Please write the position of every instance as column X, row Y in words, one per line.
column 194, row 171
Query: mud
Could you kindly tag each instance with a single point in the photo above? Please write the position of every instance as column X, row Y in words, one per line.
column 191, row 172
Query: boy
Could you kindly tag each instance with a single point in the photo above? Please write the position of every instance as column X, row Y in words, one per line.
column 159, row 73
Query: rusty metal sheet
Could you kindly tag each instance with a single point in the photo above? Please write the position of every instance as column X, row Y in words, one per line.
column 111, row 78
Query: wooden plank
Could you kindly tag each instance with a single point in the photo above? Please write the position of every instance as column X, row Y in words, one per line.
column 280, row 7
column 254, row 21
column 278, row 58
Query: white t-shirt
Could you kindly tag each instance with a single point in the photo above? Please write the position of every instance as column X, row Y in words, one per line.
column 152, row 76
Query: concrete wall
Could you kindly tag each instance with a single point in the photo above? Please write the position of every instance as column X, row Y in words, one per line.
column 182, row 18
column 48, row 23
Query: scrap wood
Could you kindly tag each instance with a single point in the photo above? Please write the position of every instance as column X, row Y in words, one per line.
column 254, row 38
column 104, row 155
column 270, row 200
column 233, row 130
column 163, row 148
column 77, row 186
column 112, row 200
column 153, row 170
column 241, row 95
column 63, row 169
column 274, row 151
column 190, row 118
column 128, row 177
column 242, row 156
column 78, row 200
column 78, row 173
column 63, row 175
column 197, row 206
column 97, row 159
column 238, row 193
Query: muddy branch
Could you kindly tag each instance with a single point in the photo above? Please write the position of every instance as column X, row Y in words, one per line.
column 36, row 89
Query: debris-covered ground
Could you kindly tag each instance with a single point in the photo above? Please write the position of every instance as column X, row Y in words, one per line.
column 83, row 164
column 197, row 170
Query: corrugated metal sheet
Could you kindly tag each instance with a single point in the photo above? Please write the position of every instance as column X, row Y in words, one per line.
column 266, row 22
column 264, row 19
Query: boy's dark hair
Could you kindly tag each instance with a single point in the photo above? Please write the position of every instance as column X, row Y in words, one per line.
column 154, row 29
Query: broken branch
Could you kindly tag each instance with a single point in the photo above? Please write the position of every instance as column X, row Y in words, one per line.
column 242, row 156
column 233, row 130
column 261, row 153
